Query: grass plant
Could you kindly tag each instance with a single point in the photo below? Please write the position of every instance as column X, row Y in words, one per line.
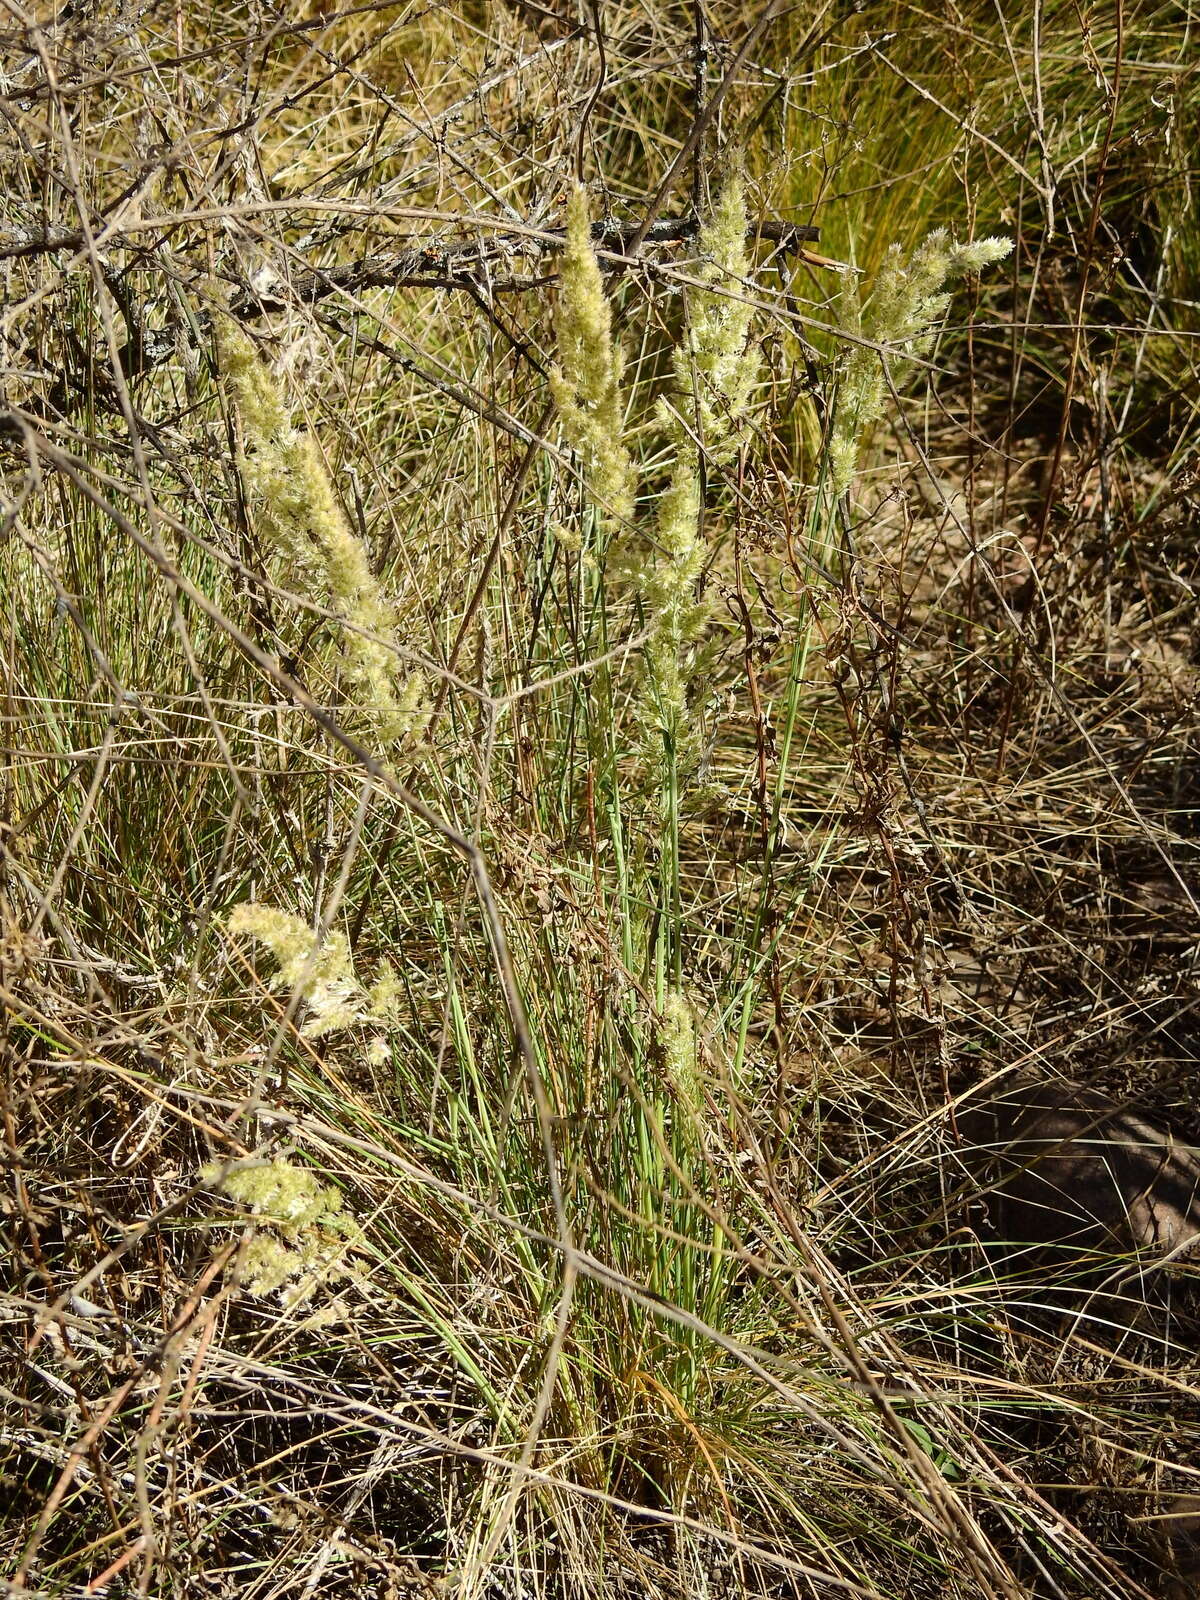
column 539, row 778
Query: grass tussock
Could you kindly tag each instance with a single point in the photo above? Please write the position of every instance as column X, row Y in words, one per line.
column 543, row 781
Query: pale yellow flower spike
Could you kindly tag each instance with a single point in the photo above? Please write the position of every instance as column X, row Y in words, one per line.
column 302, row 517
column 909, row 298
column 714, row 359
column 586, row 383
column 333, row 996
column 301, row 1228
column 670, row 589
column 714, row 372
column 325, row 976
column 677, row 1036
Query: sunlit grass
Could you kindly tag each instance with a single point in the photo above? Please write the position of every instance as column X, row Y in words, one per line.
column 657, row 1261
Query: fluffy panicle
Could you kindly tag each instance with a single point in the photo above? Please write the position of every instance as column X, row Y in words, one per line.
column 670, row 592
column 714, row 368
column 586, row 383
column 323, row 973
column 981, row 253
column 302, row 518
column 714, row 373
column 677, row 1037
column 300, row 1228
column 908, row 300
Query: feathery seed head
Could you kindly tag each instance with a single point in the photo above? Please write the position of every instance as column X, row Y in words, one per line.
column 670, row 589
column 586, row 383
column 301, row 515
column 301, row 1228
column 907, row 302
column 677, row 1036
column 324, row 973
column 714, row 369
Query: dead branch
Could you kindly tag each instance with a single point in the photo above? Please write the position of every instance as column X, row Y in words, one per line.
column 452, row 264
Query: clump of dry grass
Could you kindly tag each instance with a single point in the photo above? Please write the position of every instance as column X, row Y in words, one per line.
column 607, row 1135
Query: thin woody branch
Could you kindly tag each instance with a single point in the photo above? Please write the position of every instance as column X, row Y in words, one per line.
column 440, row 264
column 446, row 264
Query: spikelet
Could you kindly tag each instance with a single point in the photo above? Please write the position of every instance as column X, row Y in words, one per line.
column 669, row 586
column 586, row 383
column 322, row 973
column 301, row 517
column 677, row 1039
